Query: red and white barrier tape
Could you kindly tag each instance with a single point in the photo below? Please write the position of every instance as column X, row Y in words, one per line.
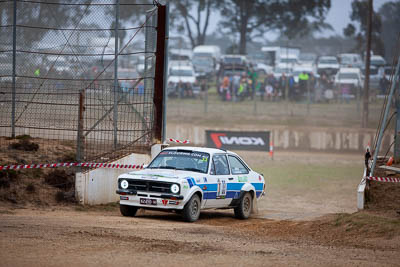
column 72, row 164
column 178, row 141
column 384, row 179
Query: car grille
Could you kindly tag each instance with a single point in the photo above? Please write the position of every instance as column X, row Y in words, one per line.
column 149, row 186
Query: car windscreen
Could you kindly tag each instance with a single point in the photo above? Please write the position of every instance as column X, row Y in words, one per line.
column 388, row 71
column 178, row 72
column 288, row 60
column 181, row 160
column 232, row 60
column 202, row 54
column 203, row 62
column 328, row 61
column 179, row 57
column 377, row 62
column 349, row 75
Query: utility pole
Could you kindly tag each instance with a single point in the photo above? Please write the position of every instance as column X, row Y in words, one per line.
column 367, row 64
column 14, row 56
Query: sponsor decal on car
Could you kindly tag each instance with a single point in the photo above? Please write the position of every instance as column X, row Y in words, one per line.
column 242, row 179
column 165, row 202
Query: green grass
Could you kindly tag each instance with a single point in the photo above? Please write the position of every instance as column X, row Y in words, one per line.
column 302, row 176
column 268, row 113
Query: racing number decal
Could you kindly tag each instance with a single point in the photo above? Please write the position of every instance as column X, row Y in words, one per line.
column 221, row 191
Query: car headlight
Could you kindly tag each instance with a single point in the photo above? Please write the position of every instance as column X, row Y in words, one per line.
column 124, row 184
column 174, row 188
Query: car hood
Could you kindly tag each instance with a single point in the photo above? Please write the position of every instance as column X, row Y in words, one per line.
column 165, row 175
column 184, row 79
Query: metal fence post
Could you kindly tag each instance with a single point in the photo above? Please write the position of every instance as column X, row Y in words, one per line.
column 80, row 137
column 115, row 114
column 165, row 94
column 13, row 69
column 397, row 130
column 159, row 72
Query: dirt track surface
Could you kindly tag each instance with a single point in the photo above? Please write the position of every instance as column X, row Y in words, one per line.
column 103, row 238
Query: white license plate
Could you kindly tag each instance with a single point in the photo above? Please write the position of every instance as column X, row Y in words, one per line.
column 148, row 201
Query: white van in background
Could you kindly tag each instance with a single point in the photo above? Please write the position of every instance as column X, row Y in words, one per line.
column 206, row 59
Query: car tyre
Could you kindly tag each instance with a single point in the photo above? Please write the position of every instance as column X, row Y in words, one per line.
column 243, row 211
column 191, row 211
column 127, row 210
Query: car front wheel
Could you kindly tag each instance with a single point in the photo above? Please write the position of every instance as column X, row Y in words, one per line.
column 191, row 211
column 127, row 210
column 243, row 211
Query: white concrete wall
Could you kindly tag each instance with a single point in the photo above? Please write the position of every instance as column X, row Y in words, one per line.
column 293, row 138
column 98, row 186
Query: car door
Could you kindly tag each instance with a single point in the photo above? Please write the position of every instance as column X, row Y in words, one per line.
column 216, row 193
column 240, row 174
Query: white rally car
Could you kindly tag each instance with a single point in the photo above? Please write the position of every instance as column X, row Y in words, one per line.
column 188, row 179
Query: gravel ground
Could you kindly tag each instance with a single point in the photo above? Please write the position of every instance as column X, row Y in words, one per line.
column 65, row 237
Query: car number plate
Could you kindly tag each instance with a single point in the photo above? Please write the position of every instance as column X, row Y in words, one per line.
column 148, row 201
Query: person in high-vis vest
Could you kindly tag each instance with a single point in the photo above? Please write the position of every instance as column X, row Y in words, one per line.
column 303, row 80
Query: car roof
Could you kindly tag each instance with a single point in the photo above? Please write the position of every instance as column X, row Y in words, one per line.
column 201, row 149
column 376, row 57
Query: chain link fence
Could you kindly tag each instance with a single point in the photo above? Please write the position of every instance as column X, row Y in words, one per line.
column 83, row 73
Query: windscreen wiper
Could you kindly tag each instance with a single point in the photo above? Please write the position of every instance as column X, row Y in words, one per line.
column 192, row 169
column 167, row 167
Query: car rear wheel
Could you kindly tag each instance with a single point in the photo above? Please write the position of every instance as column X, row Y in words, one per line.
column 191, row 211
column 127, row 210
column 243, row 211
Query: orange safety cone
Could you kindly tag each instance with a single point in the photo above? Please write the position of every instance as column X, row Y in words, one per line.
column 389, row 162
column 271, row 150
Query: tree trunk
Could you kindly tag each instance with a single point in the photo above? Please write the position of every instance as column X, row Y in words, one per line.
column 243, row 37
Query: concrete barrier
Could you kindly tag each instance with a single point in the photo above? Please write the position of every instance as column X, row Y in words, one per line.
column 98, row 186
column 361, row 191
column 294, row 138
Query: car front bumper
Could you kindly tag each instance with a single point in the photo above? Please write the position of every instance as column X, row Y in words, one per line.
column 159, row 201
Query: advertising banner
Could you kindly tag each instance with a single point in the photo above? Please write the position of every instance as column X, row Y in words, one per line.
column 238, row 140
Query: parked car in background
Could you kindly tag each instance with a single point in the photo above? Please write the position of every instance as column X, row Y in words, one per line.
column 348, row 82
column 350, row 60
column 263, row 69
column 308, row 59
column 206, row 59
column 182, row 78
column 233, row 60
column 375, row 75
column 190, row 179
column 327, row 65
column 378, row 61
column 288, row 61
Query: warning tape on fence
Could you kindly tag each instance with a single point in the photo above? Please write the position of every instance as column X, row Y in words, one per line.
column 178, row 141
column 72, row 164
column 384, row 179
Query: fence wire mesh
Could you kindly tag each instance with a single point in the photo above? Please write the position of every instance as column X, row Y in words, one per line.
column 69, row 84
